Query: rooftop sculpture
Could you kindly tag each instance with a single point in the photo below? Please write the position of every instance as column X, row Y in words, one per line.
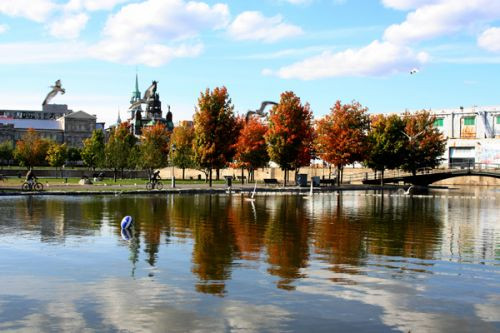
column 57, row 87
column 149, row 95
column 260, row 112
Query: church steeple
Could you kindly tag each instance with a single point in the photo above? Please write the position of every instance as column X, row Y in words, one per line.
column 136, row 95
column 119, row 120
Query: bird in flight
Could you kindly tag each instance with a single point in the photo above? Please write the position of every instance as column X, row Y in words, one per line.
column 414, row 71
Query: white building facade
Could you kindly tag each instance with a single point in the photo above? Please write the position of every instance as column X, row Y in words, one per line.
column 473, row 135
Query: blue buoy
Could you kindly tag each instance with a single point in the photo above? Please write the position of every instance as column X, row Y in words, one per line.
column 126, row 222
column 126, row 234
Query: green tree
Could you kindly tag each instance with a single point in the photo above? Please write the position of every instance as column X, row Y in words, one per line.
column 74, row 155
column 154, row 147
column 342, row 135
column 56, row 155
column 386, row 143
column 119, row 148
column 425, row 144
column 93, row 150
column 290, row 134
column 31, row 149
column 6, row 152
column 216, row 130
column 183, row 155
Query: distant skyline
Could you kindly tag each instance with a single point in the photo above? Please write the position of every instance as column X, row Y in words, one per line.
column 323, row 50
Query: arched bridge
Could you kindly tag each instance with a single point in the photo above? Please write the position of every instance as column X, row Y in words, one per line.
column 428, row 176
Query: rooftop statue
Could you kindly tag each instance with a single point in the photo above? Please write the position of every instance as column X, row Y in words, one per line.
column 149, row 95
column 57, row 87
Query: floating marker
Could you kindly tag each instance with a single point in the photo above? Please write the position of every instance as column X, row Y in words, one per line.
column 126, row 234
column 126, row 222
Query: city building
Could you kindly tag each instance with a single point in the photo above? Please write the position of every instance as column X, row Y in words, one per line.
column 55, row 122
column 473, row 134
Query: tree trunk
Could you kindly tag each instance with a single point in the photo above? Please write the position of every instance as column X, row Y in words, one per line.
column 210, row 177
column 338, row 174
column 382, row 177
column 183, row 173
column 115, row 171
column 242, row 175
column 217, row 174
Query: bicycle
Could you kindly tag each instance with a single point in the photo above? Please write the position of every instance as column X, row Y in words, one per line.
column 151, row 185
column 30, row 185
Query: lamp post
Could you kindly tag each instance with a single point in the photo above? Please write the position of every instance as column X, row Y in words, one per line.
column 172, row 150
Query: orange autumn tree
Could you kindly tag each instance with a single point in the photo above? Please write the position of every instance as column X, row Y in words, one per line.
column 342, row 135
column 31, row 150
column 216, row 130
column 290, row 133
column 154, row 147
column 251, row 148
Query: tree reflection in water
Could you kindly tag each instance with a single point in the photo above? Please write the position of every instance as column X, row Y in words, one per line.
column 345, row 232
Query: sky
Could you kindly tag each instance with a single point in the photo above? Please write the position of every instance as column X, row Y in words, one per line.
column 323, row 50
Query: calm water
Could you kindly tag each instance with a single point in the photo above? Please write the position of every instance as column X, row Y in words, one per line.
column 349, row 262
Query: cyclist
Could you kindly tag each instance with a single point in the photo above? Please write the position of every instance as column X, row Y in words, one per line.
column 30, row 178
column 155, row 177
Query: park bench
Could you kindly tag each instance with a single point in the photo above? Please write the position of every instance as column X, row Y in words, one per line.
column 271, row 181
column 328, row 182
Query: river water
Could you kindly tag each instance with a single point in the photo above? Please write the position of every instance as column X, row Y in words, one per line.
column 343, row 262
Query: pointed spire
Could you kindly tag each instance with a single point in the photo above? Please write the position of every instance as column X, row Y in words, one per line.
column 119, row 120
column 136, row 94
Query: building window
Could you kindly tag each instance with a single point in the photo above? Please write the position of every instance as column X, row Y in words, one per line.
column 469, row 121
column 438, row 122
column 498, row 120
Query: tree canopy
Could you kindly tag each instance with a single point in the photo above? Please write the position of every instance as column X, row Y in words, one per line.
column 215, row 130
column 251, row 148
column 93, row 150
column 342, row 135
column 290, row 133
column 120, row 147
column 183, row 155
column 31, row 149
column 154, row 147
column 425, row 144
column 386, row 143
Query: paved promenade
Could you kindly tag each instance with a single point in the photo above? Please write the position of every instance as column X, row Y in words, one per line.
column 102, row 189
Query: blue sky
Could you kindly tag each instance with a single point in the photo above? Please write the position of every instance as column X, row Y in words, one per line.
column 323, row 50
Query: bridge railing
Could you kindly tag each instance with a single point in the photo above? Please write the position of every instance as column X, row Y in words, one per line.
column 422, row 171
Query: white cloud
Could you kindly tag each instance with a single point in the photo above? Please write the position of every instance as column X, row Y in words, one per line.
column 69, row 26
column 165, row 19
column 151, row 54
column 3, row 28
column 253, row 25
column 442, row 18
column 378, row 58
column 92, row 5
column 490, row 40
column 35, row 10
column 407, row 4
column 155, row 31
